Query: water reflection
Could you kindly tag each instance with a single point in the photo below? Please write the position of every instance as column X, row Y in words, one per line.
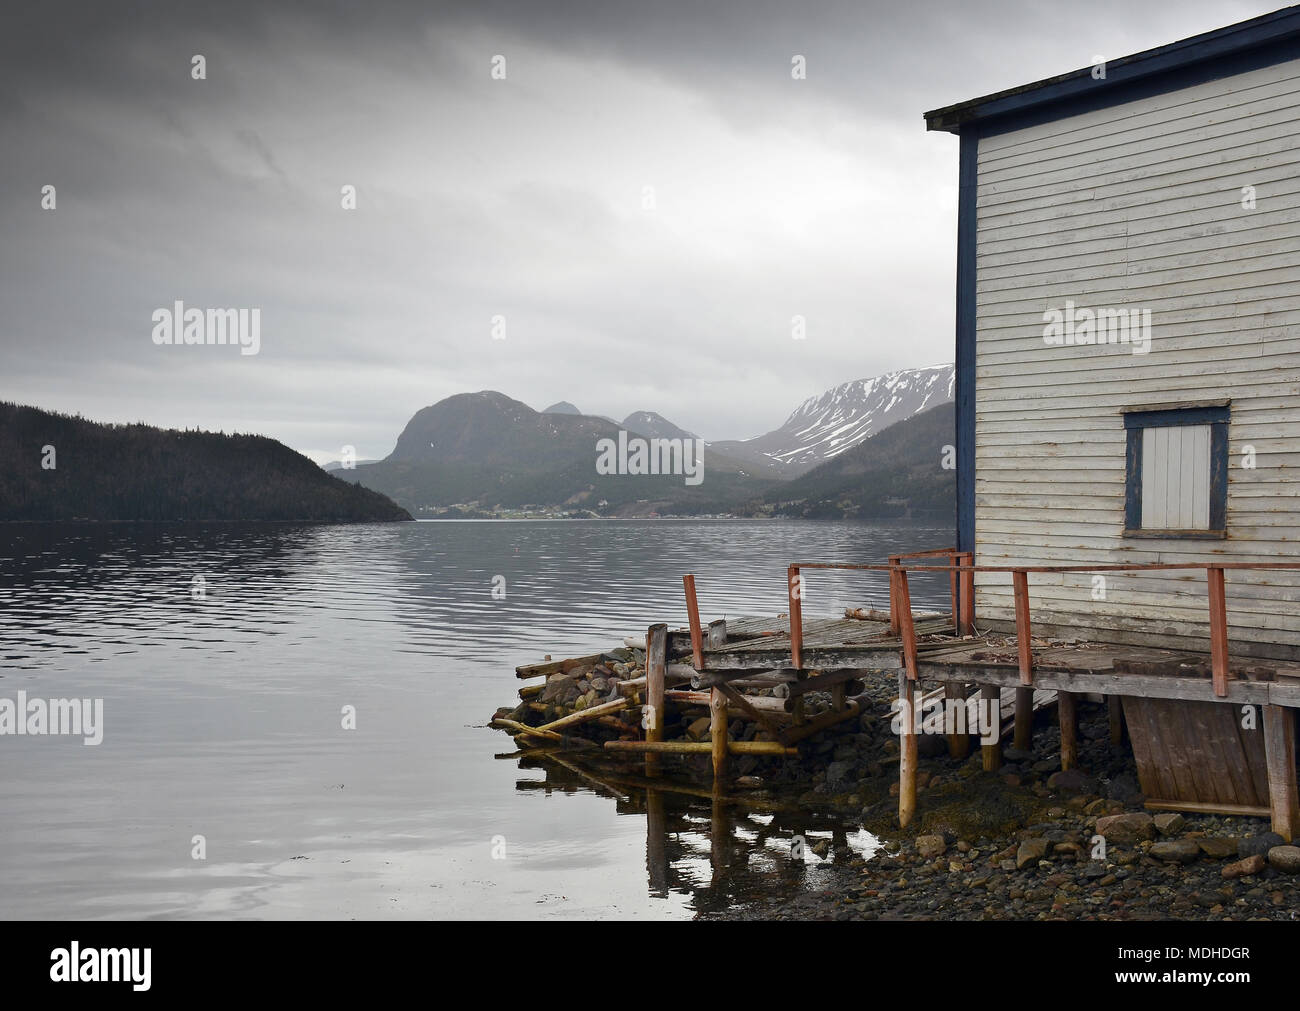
column 716, row 850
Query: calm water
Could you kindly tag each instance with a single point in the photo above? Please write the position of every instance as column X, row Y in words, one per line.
column 223, row 715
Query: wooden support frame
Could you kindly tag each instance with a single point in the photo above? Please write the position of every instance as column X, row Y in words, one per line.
column 958, row 743
column 1279, row 751
column 693, row 617
column 907, row 750
column 992, row 753
column 1020, row 585
column 718, row 732
column 1067, row 710
column 967, row 624
column 794, row 582
column 1218, row 629
column 900, row 604
column 656, row 669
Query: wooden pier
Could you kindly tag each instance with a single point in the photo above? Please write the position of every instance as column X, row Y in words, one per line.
column 1210, row 731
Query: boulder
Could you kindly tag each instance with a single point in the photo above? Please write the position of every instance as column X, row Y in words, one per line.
column 1219, row 847
column 1250, row 865
column 1126, row 828
column 1285, row 858
column 1031, row 851
column 1071, row 781
column 930, row 846
column 1176, row 851
column 1169, row 823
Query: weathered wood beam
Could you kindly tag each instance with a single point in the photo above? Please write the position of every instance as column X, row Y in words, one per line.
column 1069, row 719
column 718, row 732
column 992, row 753
column 702, row 747
column 1279, row 752
column 693, row 617
column 907, row 751
column 1218, row 630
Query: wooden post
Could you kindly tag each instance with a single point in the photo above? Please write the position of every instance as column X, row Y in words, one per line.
column 717, row 633
column 1218, row 630
column 656, row 670
column 991, row 696
column 959, row 741
column 1065, row 704
column 795, row 584
column 967, row 624
column 1115, row 714
column 1024, row 718
column 718, row 732
column 905, row 627
column 1279, row 754
column 1020, row 584
column 907, row 753
column 894, row 628
column 693, row 617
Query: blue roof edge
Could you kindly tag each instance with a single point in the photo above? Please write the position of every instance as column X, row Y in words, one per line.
column 1057, row 97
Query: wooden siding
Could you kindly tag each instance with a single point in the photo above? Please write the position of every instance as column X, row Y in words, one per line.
column 1176, row 478
column 1139, row 206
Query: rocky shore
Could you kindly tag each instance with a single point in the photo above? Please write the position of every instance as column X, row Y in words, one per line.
column 1027, row 842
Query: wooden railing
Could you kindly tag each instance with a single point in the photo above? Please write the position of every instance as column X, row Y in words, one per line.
column 962, row 585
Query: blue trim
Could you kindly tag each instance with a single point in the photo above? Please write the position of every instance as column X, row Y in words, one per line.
column 1132, row 485
column 1175, row 417
column 1249, row 45
column 1219, row 477
column 967, row 179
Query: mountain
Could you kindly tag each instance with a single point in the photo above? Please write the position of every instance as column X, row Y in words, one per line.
column 487, row 453
column 137, row 472
column 825, row 426
column 897, row 472
column 563, row 407
column 655, row 426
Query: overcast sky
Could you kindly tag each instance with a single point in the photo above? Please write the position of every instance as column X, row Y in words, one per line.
column 524, row 198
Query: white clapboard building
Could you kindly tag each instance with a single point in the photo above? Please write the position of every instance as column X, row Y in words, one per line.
column 1128, row 337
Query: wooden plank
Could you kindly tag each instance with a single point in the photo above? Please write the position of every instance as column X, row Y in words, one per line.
column 549, row 667
column 991, row 753
column 1218, row 630
column 1279, row 743
column 693, row 617
column 907, row 764
column 795, row 585
column 717, row 633
column 1069, row 722
column 718, row 732
column 907, row 632
column 1024, row 646
column 656, row 662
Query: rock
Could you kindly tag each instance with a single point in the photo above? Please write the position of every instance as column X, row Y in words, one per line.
column 1259, row 845
column 699, row 729
column 1031, row 851
column 837, row 773
column 1177, row 851
column 930, row 846
column 1126, row 828
column 1123, row 788
column 1250, row 865
column 1285, row 858
column 1016, row 755
column 1218, row 847
column 1072, row 781
column 1169, row 823
column 932, row 745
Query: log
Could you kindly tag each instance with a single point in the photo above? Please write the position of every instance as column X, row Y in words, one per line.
column 583, row 715
column 827, row 719
column 702, row 747
column 656, row 664
column 907, row 752
column 1279, row 751
column 533, row 670
column 1069, row 719
column 754, row 713
column 693, row 616
column 718, row 732
column 523, row 728
column 958, row 743
column 1024, row 718
column 992, row 753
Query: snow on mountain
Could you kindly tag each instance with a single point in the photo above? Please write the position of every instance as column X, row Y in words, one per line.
column 824, row 426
